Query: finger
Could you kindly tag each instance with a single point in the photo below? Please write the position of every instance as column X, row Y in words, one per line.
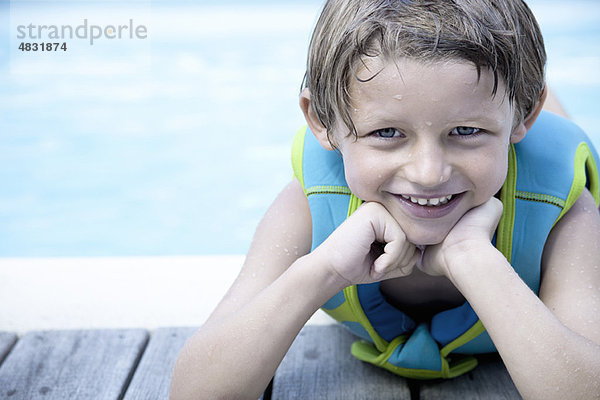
column 487, row 215
column 496, row 209
column 400, row 271
column 411, row 255
column 386, row 264
column 381, row 266
column 397, row 253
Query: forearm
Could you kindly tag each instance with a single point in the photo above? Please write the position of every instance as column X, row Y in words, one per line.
column 236, row 356
column 544, row 357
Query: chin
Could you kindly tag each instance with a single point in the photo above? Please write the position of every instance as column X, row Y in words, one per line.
column 426, row 238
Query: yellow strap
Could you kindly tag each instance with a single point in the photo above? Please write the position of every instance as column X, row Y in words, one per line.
column 583, row 161
column 504, row 233
column 298, row 153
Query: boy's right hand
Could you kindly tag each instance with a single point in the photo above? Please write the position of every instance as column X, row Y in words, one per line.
column 368, row 247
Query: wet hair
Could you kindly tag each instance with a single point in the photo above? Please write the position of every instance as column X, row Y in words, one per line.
column 500, row 35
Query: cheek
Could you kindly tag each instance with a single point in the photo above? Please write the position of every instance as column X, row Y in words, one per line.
column 363, row 177
column 492, row 176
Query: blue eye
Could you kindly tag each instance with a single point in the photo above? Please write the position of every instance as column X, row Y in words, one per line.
column 387, row 133
column 465, row 131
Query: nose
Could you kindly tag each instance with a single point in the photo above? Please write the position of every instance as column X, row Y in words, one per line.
column 427, row 164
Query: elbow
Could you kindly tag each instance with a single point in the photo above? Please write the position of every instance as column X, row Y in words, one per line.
column 189, row 379
column 182, row 386
column 194, row 379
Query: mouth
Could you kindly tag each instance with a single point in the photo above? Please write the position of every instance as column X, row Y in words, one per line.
column 430, row 206
column 429, row 202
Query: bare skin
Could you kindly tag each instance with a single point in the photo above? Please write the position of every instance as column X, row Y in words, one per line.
column 549, row 344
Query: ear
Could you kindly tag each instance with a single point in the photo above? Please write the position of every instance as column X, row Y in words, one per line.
column 313, row 121
column 520, row 130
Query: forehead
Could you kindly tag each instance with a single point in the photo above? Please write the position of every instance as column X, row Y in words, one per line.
column 452, row 87
column 378, row 71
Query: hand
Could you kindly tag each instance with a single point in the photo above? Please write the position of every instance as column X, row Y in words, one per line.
column 368, row 246
column 475, row 229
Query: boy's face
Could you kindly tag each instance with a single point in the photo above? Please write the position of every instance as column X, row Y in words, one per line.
column 432, row 142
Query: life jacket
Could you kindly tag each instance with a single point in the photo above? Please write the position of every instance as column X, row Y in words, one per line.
column 547, row 173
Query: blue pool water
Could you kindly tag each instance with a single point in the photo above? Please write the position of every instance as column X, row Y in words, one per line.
column 177, row 143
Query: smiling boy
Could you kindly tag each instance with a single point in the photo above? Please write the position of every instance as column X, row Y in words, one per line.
column 436, row 211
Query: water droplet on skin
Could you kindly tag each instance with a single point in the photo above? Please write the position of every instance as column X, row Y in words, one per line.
column 398, row 97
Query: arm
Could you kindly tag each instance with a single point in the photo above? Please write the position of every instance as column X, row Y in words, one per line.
column 236, row 352
column 232, row 354
column 548, row 344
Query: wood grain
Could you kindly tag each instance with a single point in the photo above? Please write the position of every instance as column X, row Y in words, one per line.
column 153, row 375
column 319, row 366
column 7, row 341
column 91, row 364
column 490, row 380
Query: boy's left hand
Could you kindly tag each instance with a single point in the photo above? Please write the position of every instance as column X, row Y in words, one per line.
column 474, row 230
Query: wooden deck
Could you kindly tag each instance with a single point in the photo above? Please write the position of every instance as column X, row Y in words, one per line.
column 136, row 364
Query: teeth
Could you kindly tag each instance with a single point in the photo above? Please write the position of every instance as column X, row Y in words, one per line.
column 428, row 202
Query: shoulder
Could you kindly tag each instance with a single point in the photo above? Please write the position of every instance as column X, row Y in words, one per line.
column 553, row 145
column 555, row 162
column 282, row 236
column 284, row 233
column 570, row 268
column 313, row 165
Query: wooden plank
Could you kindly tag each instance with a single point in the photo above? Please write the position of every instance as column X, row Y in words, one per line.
column 319, row 366
column 153, row 375
column 490, row 380
column 7, row 341
column 90, row 364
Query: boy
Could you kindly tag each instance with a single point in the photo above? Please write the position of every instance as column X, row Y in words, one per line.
column 473, row 201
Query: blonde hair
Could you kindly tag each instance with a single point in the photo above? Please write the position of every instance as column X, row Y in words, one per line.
column 500, row 35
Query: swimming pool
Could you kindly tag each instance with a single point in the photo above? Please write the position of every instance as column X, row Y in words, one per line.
column 176, row 144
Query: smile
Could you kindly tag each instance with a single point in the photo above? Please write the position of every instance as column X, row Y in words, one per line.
column 431, row 202
column 429, row 207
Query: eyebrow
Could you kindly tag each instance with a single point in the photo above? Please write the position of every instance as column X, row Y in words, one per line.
column 373, row 121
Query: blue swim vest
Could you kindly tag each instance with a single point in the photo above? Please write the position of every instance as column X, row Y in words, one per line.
column 547, row 173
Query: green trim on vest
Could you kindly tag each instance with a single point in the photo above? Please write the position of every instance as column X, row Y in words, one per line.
column 327, row 189
column 471, row 333
column 297, row 153
column 351, row 294
column 542, row 198
column 504, row 232
column 584, row 160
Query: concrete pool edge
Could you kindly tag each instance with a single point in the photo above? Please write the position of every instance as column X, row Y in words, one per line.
column 114, row 292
